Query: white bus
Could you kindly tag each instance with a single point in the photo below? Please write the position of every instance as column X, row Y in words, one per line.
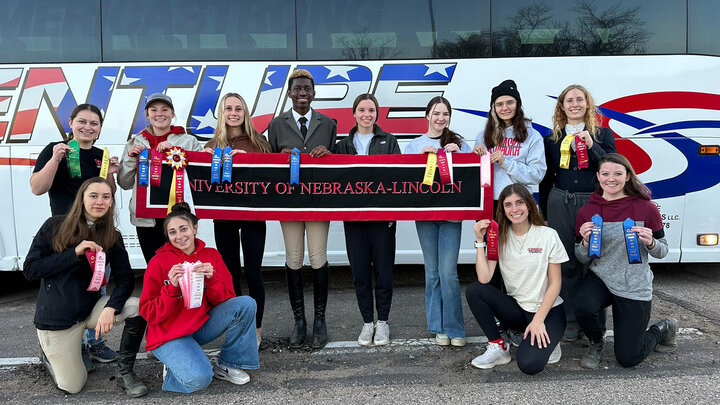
column 650, row 65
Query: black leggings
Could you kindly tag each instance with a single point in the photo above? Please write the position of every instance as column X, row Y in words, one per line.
column 633, row 341
column 487, row 302
column 228, row 235
column 151, row 238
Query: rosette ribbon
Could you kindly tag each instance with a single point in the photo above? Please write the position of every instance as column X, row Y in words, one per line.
column 175, row 157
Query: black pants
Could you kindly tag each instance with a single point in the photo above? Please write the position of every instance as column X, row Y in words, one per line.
column 487, row 303
column 371, row 251
column 633, row 341
column 151, row 238
column 228, row 238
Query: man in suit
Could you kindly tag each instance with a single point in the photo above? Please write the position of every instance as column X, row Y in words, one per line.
column 310, row 132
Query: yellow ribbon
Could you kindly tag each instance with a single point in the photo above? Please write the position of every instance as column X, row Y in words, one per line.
column 105, row 163
column 565, row 151
column 430, row 169
column 177, row 160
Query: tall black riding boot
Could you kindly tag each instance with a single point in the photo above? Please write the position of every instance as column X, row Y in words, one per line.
column 129, row 345
column 320, row 296
column 297, row 303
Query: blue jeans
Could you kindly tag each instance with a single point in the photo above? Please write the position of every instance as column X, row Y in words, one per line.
column 189, row 369
column 440, row 243
column 90, row 333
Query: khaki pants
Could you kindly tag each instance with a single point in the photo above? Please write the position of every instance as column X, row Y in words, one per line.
column 294, row 236
column 62, row 347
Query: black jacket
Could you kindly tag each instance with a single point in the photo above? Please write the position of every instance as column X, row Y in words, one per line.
column 381, row 143
column 63, row 299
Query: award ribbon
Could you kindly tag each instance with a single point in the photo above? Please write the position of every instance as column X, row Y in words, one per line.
column 74, row 158
column 105, row 163
column 485, row 170
column 97, row 262
column 582, row 153
column 215, row 166
column 295, row 166
column 430, row 169
column 595, row 237
column 631, row 242
column 177, row 160
column 227, row 164
column 565, row 151
column 192, row 285
column 143, row 169
column 442, row 163
column 492, row 240
column 155, row 167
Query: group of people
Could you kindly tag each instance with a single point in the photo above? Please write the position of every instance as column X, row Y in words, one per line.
column 543, row 288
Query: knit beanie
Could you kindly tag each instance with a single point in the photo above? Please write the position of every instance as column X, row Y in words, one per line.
column 506, row 88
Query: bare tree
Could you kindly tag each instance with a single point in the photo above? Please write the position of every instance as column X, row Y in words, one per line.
column 361, row 45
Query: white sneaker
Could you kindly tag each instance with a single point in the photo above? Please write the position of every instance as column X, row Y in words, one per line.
column 442, row 339
column 555, row 355
column 458, row 342
column 382, row 334
column 234, row 375
column 493, row 356
column 366, row 335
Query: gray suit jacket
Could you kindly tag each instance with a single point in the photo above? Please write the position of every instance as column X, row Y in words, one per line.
column 283, row 133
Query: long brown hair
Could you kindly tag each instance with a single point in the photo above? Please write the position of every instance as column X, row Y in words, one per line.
column 447, row 136
column 495, row 128
column 590, row 118
column 221, row 136
column 633, row 186
column 74, row 228
column 504, row 223
column 363, row 97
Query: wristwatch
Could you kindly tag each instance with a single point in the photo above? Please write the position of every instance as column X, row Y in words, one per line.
column 479, row 245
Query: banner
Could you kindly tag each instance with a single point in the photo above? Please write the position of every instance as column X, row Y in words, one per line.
column 331, row 188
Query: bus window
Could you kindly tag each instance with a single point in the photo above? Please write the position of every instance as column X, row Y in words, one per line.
column 558, row 27
column 49, row 31
column 462, row 28
column 703, row 31
column 163, row 30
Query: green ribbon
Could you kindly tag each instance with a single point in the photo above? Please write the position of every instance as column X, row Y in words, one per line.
column 74, row 158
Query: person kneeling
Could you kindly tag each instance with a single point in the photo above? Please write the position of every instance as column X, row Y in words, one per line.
column 69, row 300
column 530, row 255
column 178, row 327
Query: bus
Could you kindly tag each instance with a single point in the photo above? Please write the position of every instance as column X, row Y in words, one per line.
column 652, row 66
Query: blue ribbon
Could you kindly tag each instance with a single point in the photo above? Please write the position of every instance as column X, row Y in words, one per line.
column 227, row 164
column 631, row 242
column 595, row 237
column 295, row 166
column 215, row 166
column 143, row 169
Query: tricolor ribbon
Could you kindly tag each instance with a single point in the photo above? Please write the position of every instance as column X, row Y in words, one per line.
column 216, row 166
column 492, row 241
column 97, row 263
column 565, row 151
column 631, row 242
column 295, row 166
column 74, row 158
column 595, row 244
column 155, row 167
column 582, row 153
column 485, row 168
column 143, row 169
column 430, row 169
column 177, row 160
column 105, row 163
column 443, row 166
column 227, row 164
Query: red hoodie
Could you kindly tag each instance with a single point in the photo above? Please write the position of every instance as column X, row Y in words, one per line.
column 154, row 140
column 161, row 303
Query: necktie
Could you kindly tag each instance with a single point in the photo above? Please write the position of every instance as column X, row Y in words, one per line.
column 303, row 127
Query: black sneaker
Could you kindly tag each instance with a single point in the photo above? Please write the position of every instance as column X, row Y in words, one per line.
column 593, row 355
column 87, row 361
column 103, row 354
column 668, row 330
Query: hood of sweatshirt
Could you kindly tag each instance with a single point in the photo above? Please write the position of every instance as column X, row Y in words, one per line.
column 169, row 248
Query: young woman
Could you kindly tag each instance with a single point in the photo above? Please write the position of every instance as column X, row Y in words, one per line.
column 65, row 307
column 175, row 333
column 565, row 189
column 529, row 255
column 611, row 280
column 440, row 240
column 516, row 148
column 160, row 135
column 370, row 244
column 52, row 175
column 237, row 132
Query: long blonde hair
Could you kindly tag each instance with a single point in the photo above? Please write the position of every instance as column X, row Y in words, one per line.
column 221, row 136
column 590, row 118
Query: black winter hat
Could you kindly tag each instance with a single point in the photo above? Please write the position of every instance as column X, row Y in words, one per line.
column 506, row 88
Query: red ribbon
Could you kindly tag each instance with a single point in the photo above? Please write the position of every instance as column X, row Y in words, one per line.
column 443, row 167
column 97, row 262
column 155, row 167
column 582, row 154
column 492, row 241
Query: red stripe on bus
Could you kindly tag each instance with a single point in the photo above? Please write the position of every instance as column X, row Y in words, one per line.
column 17, row 161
